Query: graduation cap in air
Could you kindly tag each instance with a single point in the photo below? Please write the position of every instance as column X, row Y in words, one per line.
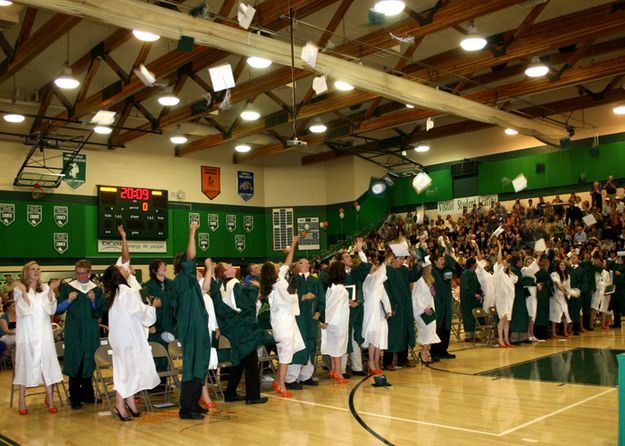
column 320, row 84
column 309, row 54
column 399, row 249
column 421, row 182
column 245, row 15
column 519, row 183
column 222, row 77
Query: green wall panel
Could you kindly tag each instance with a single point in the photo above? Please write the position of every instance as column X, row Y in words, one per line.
column 441, row 189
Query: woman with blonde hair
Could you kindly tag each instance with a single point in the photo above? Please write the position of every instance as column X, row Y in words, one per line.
column 504, row 281
column 423, row 293
column 36, row 361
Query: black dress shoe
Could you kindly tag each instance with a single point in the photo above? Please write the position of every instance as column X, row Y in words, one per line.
column 232, row 399
column 448, row 356
column 261, row 400
column 200, row 409
column 358, row 373
column 191, row 416
column 310, row 382
column 293, row 386
column 136, row 414
column 76, row 405
column 436, row 359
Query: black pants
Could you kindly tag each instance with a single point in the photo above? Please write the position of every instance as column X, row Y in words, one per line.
column 80, row 388
column 440, row 349
column 617, row 309
column 190, row 393
column 542, row 332
column 402, row 358
column 249, row 365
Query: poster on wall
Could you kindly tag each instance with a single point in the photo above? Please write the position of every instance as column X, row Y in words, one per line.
column 282, row 228
column 61, row 242
column 245, row 184
column 75, row 169
column 203, row 240
column 213, row 222
column 211, row 181
column 61, row 215
column 7, row 213
column 456, row 206
column 231, row 222
column 34, row 214
column 308, row 230
column 248, row 223
column 239, row 242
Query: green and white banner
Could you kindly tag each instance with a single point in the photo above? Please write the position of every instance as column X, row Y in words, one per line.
column 34, row 214
column 7, row 213
column 61, row 215
column 75, row 169
column 203, row 240
column 61, row 242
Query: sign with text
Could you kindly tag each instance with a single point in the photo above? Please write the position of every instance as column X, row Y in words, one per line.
column 61, row 242
column 231, row 222
column 34, row 214
column 7, row 213
column 75, row 168
column 115, row 246
column 213, row 222
column 245, row 185
column 203, row 240
column 61, row 215
column 211, row 181
column 456, row 206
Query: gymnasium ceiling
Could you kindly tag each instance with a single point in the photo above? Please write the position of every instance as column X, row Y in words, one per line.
column 582, row 42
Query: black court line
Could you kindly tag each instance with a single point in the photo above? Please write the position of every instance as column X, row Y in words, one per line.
column 352, row 409
column 6, row 441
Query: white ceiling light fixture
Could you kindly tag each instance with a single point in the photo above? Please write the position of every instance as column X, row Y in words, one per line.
column 14, row 118
column 511, row 132
column 145, row 36
column 243, row 148
column 536, row 68
column 6, row 2
column 249, row 113
column 178, row 139
column 389, row 7
column 410, row 106
column 317, row 126
column 102, row 130
column 168, row 98
column 619, row 109
column 343, row 86
column 66, row 80
column 473, row 41
column 422, row 148
column 258, row 62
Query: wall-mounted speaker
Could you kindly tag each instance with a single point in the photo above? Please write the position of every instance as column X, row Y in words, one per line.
column 540, row 168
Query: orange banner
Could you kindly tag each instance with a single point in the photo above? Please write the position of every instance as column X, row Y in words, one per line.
column 211, row 181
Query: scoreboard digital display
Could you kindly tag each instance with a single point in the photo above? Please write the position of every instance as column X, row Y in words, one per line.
column 142, row 212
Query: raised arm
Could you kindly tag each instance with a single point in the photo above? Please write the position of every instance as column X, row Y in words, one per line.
column 289, row 256
column 125, row 251
column 208, row 276
column 191, row 244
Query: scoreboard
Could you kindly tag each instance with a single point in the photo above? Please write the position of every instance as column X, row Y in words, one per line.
column 142, row 212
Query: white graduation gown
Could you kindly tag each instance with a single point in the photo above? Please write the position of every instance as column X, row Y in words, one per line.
column 600, row 301
column 334, row 336
column 504, row 291
column 129, row 320
column 212, row 326
column 531, row 301
column 376, row 305
column 488, row 287
column 557, row 302
column 283, row 307
column 421, row 299
column 227, row 294
column 35, row 355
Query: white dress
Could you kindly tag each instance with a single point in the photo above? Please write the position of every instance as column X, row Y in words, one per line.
column 376, row 305
column 557, row 302
column 600, row 301
column 212, row 326
column 129, row 320
column 334, row 336
column 283, row 307
column 421, row 299
column 531, row 301
column 486, row 283
column 504, row 291
column 35, row 355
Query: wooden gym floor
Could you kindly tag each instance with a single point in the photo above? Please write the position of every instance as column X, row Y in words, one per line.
column 554, row 392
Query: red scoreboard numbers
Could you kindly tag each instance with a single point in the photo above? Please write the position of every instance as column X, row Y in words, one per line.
column 132, row 193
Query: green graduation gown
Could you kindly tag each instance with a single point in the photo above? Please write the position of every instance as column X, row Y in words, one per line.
column 578, row 280
column 192, row 317
column 520, row 317
column 308, row 326
column 357, row 276
column 165, row 318
column 618, row 298
column 591, row 285
column 82, row 331
column 443, row 300
column 401, row 331
column 469, row 287
column 542, row 296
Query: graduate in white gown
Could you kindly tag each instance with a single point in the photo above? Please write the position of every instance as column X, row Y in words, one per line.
column 213, row 329
column 129, row 321
column 558, row 306
column 35, row 355
column 283, row 307
column 504, row 281
column 600, row 300
column 377, row 309
column 485, row 278
column 531, row 302
column 423, row 292
column 334, row 332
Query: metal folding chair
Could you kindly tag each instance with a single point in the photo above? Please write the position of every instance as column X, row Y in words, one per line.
column 60, row 353
column 170, row 374
column 483, row 325
column 456, row 320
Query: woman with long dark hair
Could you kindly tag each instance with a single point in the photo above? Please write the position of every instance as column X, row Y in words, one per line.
column 504, row 281
column 558, row 305
column 129, row 320
column 283, row 308
column 334, row 333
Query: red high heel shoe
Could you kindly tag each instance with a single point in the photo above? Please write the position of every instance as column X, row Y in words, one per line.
column 508, row 345
column 206, row 404
column 339, row 379
column 285, row 393
column 50, row 409
column 23, row 411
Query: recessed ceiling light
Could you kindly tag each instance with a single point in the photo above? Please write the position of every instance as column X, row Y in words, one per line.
column 511, row 132
column 249, row 113
column 14, row 118
column 67, row 81
column 389, row 7
column 343, row 86
column 619, row 108
column 243, row 148
column 536, row 68
column 473, row 41
column 178, row 139
column 409, row 106
column 145, row 36
column 258, row 62
column 317, row 126
column 102, row 130
column 6, row 2
column 168, row 98
column 421, row 148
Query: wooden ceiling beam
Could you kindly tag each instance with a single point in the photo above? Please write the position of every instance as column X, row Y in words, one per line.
column 108, row 45
column 47, row 34
column 7, row 48
column 27, row 26
column 121, row 121
column 143, row 54
column 88, row 80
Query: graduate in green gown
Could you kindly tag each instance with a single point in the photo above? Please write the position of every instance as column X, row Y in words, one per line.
column 471, row 296
column 591, row 287
column 192, row 319
column 544, row 290
column 520, row 320
column 578, row 280
column 618, row 298
column 84, row 304
column 401, row 329
column 443, row 267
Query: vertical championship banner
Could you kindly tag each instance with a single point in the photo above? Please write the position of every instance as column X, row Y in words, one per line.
column 34, row 214
column 239, row 242
column 61, row 242
column 194, row 217
column 231, row 222
column 245, row 184
column 211, row 181
column 7, row 213
column 213, row 222
column 248, row 223
column 61, row 215
column 203, row 240
column 75, row 169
